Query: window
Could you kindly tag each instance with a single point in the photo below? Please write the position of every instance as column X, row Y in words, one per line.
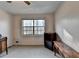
column 33, row 27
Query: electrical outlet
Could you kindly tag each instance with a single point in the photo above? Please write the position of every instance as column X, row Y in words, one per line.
column 17, row 41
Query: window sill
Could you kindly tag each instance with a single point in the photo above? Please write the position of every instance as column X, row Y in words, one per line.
column 32, row 35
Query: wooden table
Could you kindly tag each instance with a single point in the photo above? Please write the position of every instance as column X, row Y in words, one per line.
column 3, row 45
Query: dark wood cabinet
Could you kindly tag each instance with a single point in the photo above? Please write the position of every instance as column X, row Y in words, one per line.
column 48, row 40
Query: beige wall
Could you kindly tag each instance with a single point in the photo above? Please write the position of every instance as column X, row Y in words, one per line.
column 6, row 26
column 32, row 40
column 67, row 18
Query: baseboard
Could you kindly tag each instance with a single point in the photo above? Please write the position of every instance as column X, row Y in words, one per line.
column 10, row 46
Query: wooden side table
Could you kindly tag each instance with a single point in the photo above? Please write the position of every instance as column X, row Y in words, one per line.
column 3, row 45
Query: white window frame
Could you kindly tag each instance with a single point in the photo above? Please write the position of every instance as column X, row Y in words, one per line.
column 33, row 29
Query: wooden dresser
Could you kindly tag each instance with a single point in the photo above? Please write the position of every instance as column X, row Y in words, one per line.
column 3, row 45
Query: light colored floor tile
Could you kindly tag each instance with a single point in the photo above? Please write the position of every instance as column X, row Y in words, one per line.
column 29, row 52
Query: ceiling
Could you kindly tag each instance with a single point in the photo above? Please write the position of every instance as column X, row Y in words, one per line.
column 36, row 7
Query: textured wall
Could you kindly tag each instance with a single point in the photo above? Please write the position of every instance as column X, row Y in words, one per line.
column 6, row 26
column 67, row 23
column 32, row 40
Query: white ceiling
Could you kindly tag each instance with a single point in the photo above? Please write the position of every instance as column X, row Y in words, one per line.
column 36, row 7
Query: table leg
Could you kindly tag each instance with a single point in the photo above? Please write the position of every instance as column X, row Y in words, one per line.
column 6, row 47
